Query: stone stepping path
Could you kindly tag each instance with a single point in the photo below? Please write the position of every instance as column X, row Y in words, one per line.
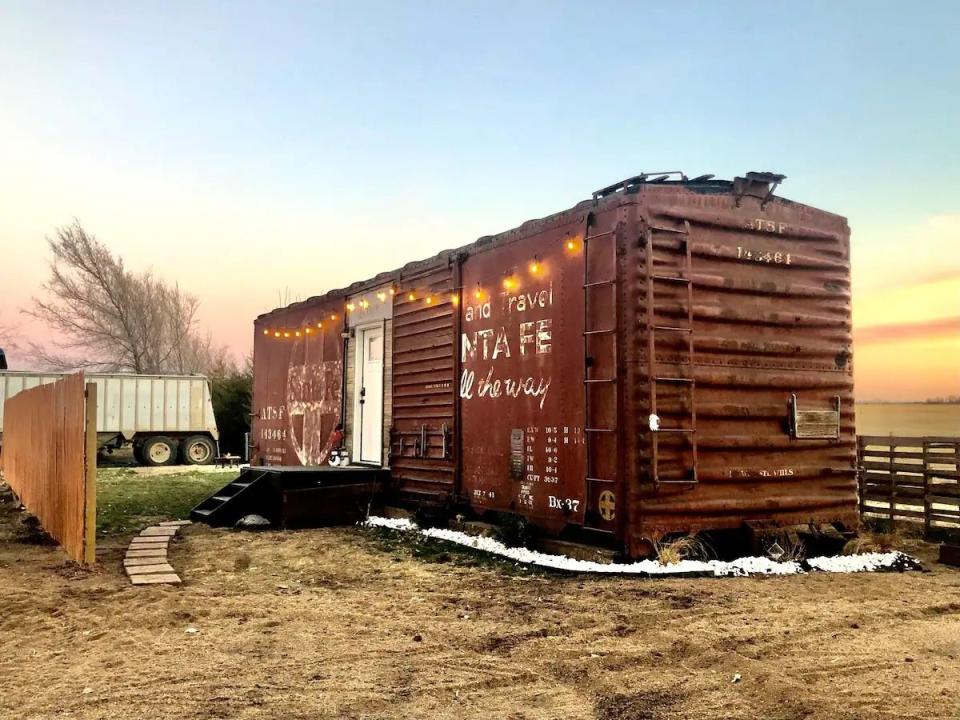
column 146, row 559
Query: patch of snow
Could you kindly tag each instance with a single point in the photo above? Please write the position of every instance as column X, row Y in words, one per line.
column 391, row 523
column 867, row 562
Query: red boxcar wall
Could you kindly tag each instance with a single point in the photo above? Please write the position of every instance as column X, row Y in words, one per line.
column 521, row 380
column 771, row 319
column 298, row 361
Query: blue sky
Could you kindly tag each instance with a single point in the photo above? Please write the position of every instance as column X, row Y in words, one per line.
column 297, row 146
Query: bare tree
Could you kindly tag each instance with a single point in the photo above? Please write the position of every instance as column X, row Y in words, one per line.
column 7, row 335
column 109, row 318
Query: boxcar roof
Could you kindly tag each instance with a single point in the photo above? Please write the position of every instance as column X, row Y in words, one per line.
column 609, row 195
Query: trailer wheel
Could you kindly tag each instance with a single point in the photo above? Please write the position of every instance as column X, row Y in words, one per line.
column 197, row 450
column 159, row 450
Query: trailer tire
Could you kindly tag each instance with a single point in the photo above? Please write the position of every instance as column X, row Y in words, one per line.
column 159, row 450
column 197, row 450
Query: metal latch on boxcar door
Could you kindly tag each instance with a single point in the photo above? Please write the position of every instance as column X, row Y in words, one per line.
column 421, row 443
column 814, row 424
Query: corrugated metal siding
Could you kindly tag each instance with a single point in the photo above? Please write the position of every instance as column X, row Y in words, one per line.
column 387, row 389
column 771, row 309
column 763, row 329
column 350, row 395
column 131, row 404
column 423, row 385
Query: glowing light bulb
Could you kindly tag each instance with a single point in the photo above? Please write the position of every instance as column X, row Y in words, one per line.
column 319, row 324
column 297, row 333
column 429, row 301
column 350, row 307
column 509, row 283
column 411, row 297
column 286, row 334
column 266, row 332
column 333, row 317
column 277, row 334
column 393, row 291
column 455, row 300
column 535, row 267
column 478, row 293
column 381, row 296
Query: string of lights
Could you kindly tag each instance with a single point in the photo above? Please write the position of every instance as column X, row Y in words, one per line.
column 511, row 282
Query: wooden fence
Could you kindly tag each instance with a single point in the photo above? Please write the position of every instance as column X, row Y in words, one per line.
column 914, row 479
column 49, row 459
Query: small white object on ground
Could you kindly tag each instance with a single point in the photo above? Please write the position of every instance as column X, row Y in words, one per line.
column 253, row 521
column 867, row 562
column 736, row 678
column 191, row 631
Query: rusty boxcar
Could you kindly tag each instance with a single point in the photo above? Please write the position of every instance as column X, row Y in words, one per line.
column 671, row 355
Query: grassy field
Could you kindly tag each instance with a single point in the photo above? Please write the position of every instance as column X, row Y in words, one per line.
column 908, row 419
column 130, row 499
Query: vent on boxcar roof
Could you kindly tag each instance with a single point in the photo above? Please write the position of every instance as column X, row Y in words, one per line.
column 631, row 183
column 671, row 177
column 754, row 184
column 757, row 184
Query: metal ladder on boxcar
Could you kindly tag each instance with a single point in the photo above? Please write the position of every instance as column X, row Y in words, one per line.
column 592, row 429
column 685, row 278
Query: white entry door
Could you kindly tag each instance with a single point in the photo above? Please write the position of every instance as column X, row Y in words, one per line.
column 368, row 415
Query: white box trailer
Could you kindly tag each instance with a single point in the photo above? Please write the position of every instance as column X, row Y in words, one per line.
column 166, row 418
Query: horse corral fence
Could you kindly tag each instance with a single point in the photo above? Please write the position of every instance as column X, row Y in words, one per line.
column 914, row 479
column 49, row 460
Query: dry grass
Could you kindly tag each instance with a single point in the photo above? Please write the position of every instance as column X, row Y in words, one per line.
column 869, row 542
column 336, row 624
column 687, row 547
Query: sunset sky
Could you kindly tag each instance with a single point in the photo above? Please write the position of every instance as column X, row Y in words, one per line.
column 257, row 153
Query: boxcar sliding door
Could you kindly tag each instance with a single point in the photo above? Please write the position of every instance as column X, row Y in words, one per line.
column 423, row 448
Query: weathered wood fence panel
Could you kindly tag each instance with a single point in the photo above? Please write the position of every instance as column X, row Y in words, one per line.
column 49, row 460
column 916, row 479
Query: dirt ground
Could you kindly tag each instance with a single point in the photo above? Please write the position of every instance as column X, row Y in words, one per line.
column 341, row 623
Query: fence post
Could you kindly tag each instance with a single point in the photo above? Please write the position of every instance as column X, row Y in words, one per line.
column 893, row 484
column 90, row 472
column 861, row 493
column 926, row 488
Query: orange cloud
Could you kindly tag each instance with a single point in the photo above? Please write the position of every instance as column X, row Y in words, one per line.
column 936, row 328
column 937, row 276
